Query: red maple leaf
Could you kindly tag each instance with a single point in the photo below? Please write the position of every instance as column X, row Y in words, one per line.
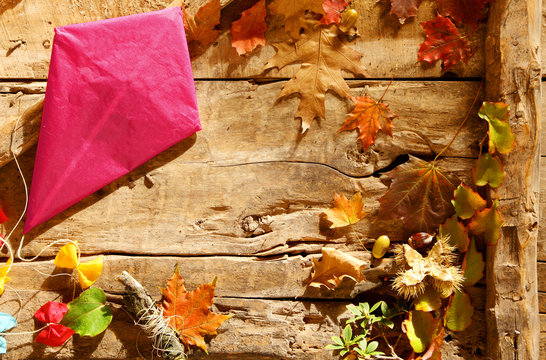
column 404, row 9
column 333, row 10
column 443, row 42
column 248, row 32
column 468, row 12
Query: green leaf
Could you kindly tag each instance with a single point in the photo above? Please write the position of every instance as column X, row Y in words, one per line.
column 459, row 312
column 384, row 308
column 353, row 309
column 88, row 315
column 428, row 301
column 489, row 223
column 418, row 328
column 375, row 306
column 372, row 346
column 337, row 340
column 488, row 171
column 473, row 265
column 497, row 115
column 388, row 323
column 347, row 334
column 458, row 234
column 466, row 202
column 334, row 347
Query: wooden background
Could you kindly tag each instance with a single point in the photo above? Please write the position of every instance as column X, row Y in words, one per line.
column 240, row 200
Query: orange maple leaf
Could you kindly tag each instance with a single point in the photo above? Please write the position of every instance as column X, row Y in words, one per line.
column 369, row 116
column 345, row 212
column 200, row 29
column 248, row 32
column 189, row 312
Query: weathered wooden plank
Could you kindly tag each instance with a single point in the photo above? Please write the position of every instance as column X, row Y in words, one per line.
column 542, row 302
column 513, row 75
column 541, row 271
column 387, row 46
column 243, row 124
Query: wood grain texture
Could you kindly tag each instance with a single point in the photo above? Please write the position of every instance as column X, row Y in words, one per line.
column 513, row 75
column 386, row 45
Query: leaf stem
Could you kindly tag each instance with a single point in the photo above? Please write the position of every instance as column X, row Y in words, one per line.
column 462, row 124
column 358, row 238
column 388, row 86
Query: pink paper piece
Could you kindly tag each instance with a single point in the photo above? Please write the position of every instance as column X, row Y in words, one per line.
column 119, row 92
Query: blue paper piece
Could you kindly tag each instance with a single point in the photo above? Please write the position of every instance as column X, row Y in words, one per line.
column 6, row 322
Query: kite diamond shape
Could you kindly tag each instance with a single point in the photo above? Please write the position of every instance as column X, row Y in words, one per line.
column 119, row 92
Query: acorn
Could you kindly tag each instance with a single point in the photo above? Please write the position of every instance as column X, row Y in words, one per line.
column 381, row 246
column 348, row 20
column 420, row 240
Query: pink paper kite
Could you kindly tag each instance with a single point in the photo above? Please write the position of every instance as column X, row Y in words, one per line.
column 119, row 92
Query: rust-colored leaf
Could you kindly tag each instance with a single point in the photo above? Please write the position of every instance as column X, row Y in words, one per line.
column 333, row 267
column 468, row 12
column 200, row 29
column 248, row 32
column 419, row 196
column 189, row 312
column 333, row 10
column 292, row 10
column 443, row 42
column 322, row 56
column 345, row 212
column 369, row 116
column 404, row 9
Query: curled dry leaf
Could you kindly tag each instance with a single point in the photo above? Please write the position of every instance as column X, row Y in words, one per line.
column 200, row 29
column 404, row 9
column 345, row 212
column 248, row 32
column 322, row 56
column 369, row 116
column 333, row 267
column 293, row 10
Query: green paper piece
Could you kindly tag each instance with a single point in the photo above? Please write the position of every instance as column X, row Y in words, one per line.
column 459, row 312
column 489, row 223
column 488, row 171
column 466, row 202
column 88, row 315
column 473, row 265
column 428, row 301
column 458, row 235
column 419, row 330
column 497, row 115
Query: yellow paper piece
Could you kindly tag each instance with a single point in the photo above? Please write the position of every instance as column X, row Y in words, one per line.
column 89, row 271
column 67, row 256
column 4, row 278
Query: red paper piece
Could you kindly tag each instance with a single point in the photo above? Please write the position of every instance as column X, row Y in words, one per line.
column 3, row 217
column 54, row 335
column 51, row 312
column 119, row 92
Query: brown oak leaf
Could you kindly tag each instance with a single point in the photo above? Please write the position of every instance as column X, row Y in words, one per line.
column 420, row 196
column 404, row 9
column 333, row 267
column 443, row 42
column 200, row 29
column 322, row 56
column 188, row 312
column 468, row 12
column 369, row 116
column 292, row 10
column 248, row 32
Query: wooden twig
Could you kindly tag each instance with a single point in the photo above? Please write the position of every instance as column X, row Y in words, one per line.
column 138, row 302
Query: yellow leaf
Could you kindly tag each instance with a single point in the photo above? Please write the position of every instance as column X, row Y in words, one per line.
column 4, row 278
column 67, row 256
column 345, row 212
column 89, row 272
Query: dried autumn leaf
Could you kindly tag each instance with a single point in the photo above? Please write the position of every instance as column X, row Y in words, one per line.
column 500, row 135
column 248, row 32
column 200, row 29
column 369, row 116
column 332, row 11
column 489, row 223
column 488, row 171
column 459, row 312
column 443, row 42
column 466, row 202
column 419, row 196
column 458, row 234
column 333, row 267
column 189, row 312
column 473, row 265
column 322, row 56
column 404, row 9
column 468, row 12
column 345, row 212
column 292, row 10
